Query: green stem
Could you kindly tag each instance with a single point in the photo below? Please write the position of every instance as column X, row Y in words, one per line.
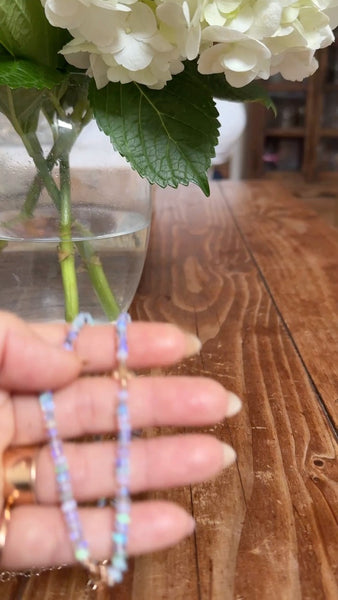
column 91, row 260
column 38, row 183
column 32, row 197
column 62, row 201
column 66, row 246
column 99, row 281
column 34, row 150
column 57, row 150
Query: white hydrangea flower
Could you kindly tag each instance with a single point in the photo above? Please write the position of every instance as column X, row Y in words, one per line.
column 311, row 25
column 147, row 41
column 180, row 22
column 261, row 17
column 303, row 29
column 155, row 75
column 267, row 19
column 127, row 47
column 295, row 65
column 238, row 56
column 220, row 12
column 71, row 14
column 330, row 8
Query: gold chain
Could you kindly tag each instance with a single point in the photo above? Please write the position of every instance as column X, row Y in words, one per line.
column 9, row 575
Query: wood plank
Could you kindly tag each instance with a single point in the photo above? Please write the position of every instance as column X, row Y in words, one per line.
column 262, row 529
column 283, row 535
column 297, row 255
column 286, row 132
column 321, row 196
column 266, row 527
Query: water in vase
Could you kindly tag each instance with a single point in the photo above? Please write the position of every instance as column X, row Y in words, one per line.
column 30, row 276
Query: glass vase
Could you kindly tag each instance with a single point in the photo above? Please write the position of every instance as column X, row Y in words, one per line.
column 74, row 217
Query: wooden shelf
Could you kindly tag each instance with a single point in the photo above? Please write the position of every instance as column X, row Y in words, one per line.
column 287, row 132
column 328, row 132
column 286, row 86
column 331, row 87
column 295, row 145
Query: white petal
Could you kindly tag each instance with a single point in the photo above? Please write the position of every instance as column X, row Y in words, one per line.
column 213, row 16
column 99, row 71
column 171, row 14
column 135, row 55
column 239, row 59
column 142, row 21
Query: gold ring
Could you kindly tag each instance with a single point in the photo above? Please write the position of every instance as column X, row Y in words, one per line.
column 6, row 517
column 20, row 474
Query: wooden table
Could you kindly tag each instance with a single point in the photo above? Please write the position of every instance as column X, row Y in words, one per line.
column 255, row 274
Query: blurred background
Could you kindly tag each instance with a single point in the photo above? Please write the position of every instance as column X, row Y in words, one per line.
column 298, row 147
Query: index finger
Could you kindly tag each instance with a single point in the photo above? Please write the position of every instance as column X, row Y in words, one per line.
column 150, row 344
column 30, row 363
column 32, row 357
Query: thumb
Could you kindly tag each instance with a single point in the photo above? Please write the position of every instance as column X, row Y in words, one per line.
column 29, row 363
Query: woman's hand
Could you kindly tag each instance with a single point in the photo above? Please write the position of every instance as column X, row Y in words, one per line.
column 32, row 360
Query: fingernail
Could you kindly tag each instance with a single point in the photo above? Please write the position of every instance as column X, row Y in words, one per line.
column 229, row 455
column 234, row 405
column 193, row 344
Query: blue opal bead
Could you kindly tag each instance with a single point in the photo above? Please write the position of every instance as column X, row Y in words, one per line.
column 81, row 554
column 70, row 505
column 120, row 563
column 123, row 395
column 119, row 538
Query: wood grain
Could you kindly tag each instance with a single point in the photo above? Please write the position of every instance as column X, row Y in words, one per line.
column 321, row 196
column 247, row 347
column 266, row 527
column 297, row 256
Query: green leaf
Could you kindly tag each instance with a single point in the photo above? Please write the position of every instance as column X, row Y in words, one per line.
column 21, row 107
column 26, row 74
column 167, row 135
column 26, row 33
column 253, row 92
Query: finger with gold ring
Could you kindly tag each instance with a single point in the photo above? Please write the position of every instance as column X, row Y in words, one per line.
column 19, row 467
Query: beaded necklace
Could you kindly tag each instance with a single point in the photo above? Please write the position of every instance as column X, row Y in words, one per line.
column 110, row 572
